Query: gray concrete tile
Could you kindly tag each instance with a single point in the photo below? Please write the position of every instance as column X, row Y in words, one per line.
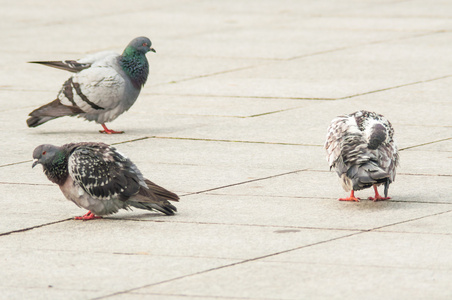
column 308, row 124
column 350, row 72
column 218, row 106
column 254, row 41
column 414, row 251
column 306, row 184
column 167, row 237
column 435, row 224
column 219, row 64
column 27, row 206
column 400, row 10
column 94, row 274
column 441, row 146
column 292, row 212
column 426, row 162
column 19, row 292
column 296, row 280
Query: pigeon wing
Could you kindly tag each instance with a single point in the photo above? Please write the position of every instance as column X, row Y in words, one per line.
column 98, row 88
column 345, row 144
column 104, row 173
column 66, row 65
column 78, row 65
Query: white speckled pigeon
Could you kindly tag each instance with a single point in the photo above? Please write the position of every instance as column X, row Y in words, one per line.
column 104, row 85
column 361, row 147
column 97, row 177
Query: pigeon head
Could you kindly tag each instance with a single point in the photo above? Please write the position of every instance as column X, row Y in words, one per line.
column 141, row 44
column 377, row 136
column 45, row 155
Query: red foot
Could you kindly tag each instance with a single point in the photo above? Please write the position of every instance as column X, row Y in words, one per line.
column 88, row 216
column 377, row 197
column 109, row 131
column 351, row 198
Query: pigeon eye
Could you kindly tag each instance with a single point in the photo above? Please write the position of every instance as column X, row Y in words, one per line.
column 145, row 44
column 44, row 153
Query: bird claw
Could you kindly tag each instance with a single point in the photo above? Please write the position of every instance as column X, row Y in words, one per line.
column 378, row 198
column 109, row 131
column 88, row 216
column 355, row 199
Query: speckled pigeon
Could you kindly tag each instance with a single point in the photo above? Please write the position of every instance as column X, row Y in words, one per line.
column 104, row 85
column 97, row 177
column 361, row 147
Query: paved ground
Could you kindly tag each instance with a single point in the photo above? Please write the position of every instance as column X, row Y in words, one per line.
column 233, row 119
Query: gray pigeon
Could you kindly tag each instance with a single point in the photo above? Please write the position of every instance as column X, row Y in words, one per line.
column 97, row 177
column 104, row 85
column 361, row 147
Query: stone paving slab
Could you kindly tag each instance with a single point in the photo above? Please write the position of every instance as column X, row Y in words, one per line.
column 96, row 274
column 250, row 281
column 187, row 240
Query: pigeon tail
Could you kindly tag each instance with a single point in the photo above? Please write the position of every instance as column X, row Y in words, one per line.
column 365, row 175
column 154, row 197
column 51, row 111
column 163, row 207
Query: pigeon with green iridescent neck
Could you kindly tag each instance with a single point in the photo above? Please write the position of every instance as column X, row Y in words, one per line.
column 97, row 177
column 104, row 85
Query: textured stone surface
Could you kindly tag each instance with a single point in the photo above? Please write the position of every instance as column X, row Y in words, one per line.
column 233, row 119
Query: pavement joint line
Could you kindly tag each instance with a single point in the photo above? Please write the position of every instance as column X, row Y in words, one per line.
column 34, row 227
column 318, row 198
column 27, row 183
column 263, row 257
column 395, row 87
column 245, row 182
column 218, row 73
column 428, row 143
column 368, row 43
column 226, row 266
column 183, row 138
column 273, row 112
column 234, row 141
column 298, row 57
column 241, row 224
column 251, row 97
column 415, row 232
column 399, row 173
column 323, row 99
column 16, row 163
column 207, row 297
column 357, row 265
column 422, row 174
column 411, row 220
column 133, row 140
column 271, row 196
column 244, row 117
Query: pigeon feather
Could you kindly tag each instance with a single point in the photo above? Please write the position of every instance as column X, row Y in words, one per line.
column 104, row 85
column 97, row 177
column 361, row 148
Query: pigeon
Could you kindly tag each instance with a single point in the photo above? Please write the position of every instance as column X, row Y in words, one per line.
column 361, row 147
column 104, row 85
column 99, row 178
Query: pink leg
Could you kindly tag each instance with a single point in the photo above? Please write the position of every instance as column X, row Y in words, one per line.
column 88, row 216
column 109, row 131
column 377, row 197
column 351, row 198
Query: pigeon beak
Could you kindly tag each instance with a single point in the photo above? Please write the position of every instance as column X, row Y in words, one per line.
column 153, row 50
column 35, row 162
